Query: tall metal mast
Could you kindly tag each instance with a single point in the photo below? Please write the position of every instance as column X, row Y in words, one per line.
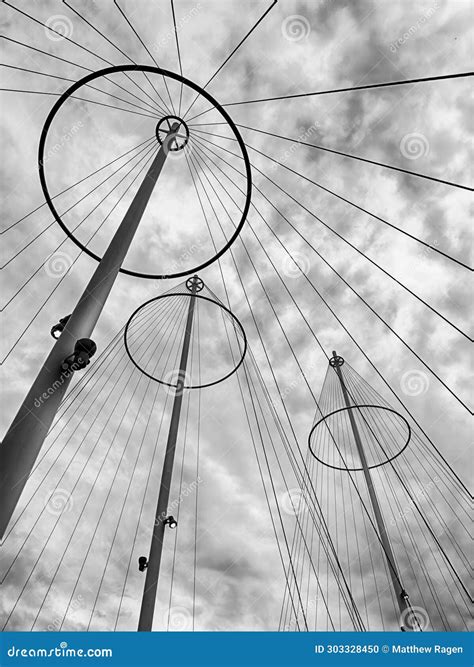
column 145, row 622
column 23, row 440
column 400, row 594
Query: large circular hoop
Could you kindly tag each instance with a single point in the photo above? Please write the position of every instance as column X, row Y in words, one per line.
column 196, row 296
column 356, row 407
column 181, row 79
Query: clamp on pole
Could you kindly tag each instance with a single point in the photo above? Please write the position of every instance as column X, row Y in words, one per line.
column 84, row 349
column 142, row 563
column 59, row 327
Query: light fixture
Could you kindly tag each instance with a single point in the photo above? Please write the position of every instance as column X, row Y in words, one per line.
column 142, row 563
column 171, row 521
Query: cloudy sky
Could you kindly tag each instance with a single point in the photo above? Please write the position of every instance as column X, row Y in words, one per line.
column 299, row 47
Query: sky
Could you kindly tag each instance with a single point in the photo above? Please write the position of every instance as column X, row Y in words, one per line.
column 298, row 47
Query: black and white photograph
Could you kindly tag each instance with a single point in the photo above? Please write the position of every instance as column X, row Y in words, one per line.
column 236, row 332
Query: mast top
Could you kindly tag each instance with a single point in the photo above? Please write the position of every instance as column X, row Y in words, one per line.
column 336, row 361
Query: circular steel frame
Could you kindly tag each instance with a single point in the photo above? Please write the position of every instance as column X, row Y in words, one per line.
column 181, row 79
column 355, row 407
column 196, row 296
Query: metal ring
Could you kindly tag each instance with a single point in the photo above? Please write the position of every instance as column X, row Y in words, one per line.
column 195, row 283
column 197, row 296
column 179, row 146
column 181, row 79
column 352, row 407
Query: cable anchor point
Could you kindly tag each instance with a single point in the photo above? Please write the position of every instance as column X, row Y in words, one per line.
column 195, row 284
column 336, row 361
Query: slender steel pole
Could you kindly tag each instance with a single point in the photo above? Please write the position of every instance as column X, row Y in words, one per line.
column 400, row 593
column 24, row 439
column 145, row 622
